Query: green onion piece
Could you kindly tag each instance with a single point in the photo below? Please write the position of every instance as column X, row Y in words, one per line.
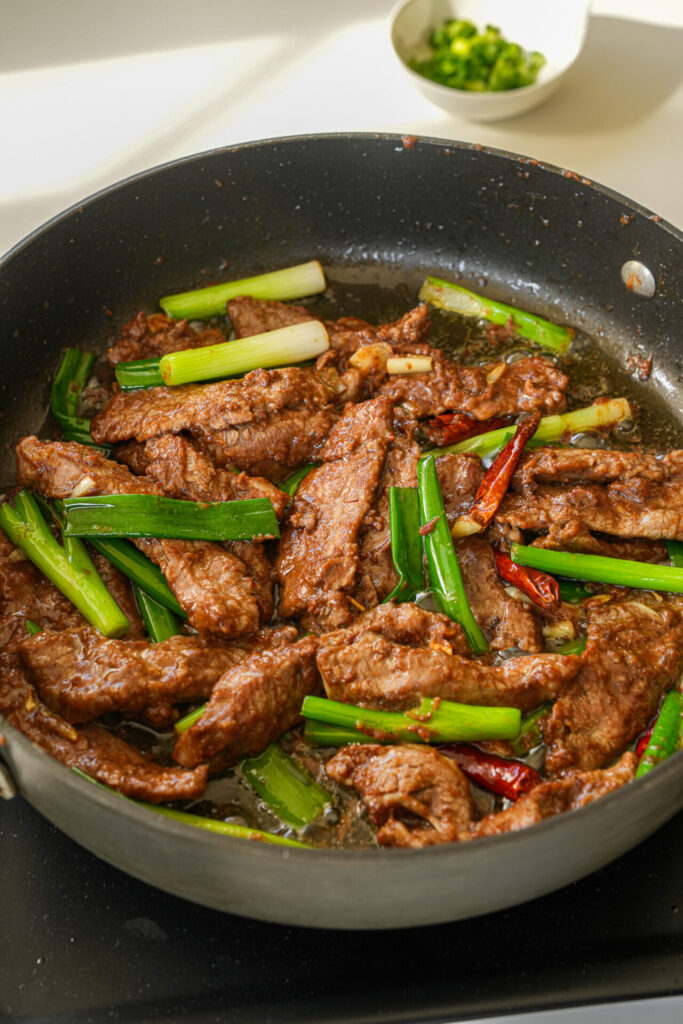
column 70, row 379
column 289, row 283
column 442, row 563
column 406, row 543
column 675, row 549
column 138, row 568
column 224, row 828
column 601, row 569
column 457, row 299
column 433, row 721
column 188, row 720
column 283, row 347
column 318, row 734
column 160, row 623
column 289, row 792
column 150, row 515
column 665, row 737
column 573, row 592
column 551, row 428
column 32, row 628
column 139, row 373
column 291, row 484
column 69, row 567
column 529, row 733
column 577, row 646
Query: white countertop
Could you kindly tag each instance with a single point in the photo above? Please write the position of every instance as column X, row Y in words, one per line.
column 93, row 92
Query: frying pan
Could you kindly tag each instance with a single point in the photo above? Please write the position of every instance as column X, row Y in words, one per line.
column 372, row 208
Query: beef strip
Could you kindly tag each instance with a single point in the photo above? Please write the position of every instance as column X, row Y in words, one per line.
column 364, row 666
column 273, row 448
column 251, row 705
column 121, row 590
column 572, row 537
column 81, row 674
column 529, row 384
column 574, row 491
column 252, row 400
column 378, row 577
column 505, row 620
column 185, row 473
column 92, row 749
column 318, row 558
column 634, row 654
column 145, row 337
column 211, row 584
column 556, row 797
column 414, row 795
column 256, row 316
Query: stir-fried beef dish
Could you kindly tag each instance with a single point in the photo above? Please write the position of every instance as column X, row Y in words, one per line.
column 417, row 576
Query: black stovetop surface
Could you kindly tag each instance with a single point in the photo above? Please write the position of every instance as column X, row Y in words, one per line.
column 82, row 942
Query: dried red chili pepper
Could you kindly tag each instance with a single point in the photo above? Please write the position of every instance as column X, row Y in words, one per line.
column 544, row 590
column 642, row 743
column 491, row 490
column 451, row 427
column 503, row 777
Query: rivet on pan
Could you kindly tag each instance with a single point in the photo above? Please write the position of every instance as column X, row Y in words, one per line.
column 7, row 787
column 638, row 278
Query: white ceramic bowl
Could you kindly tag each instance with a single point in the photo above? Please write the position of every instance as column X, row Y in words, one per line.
column 557, row 30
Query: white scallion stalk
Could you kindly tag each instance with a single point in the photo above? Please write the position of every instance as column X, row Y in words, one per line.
column 284, row 347
column 289, row 283
column 409, row 364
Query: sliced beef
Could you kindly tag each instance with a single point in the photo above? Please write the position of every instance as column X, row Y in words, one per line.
column 505, row 620
column 363, row 666
column 272, row 448
column 565, row 492
column 81, row 674
column 318, row 559
column 186, row 473
column 252, row 400
column 501, row 389
column 408, row 624
column 414, row 795
column 92, row 749
column 251, row 705
column 378, row 577
column 557, row 797
column 634, row 654
column 120, row 589
column 211, row 584
column 146, row 337
column 572, row 536
column 459, row 477
column 256, row 316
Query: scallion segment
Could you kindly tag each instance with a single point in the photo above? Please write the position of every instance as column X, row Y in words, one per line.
column 70, row 379
column 600, row 569
column 296, row 282
column 224, row 828
column 406, row 543
column 69, row 566
column 151, row 515
column 551, row 428
column 573, row 592
column 433, row 721
column 32, row 628
column 456, row 299
column 188, row 720
column 160, row 623
column 442, row 563
column 318, row 734
column 665, row 738
column 675, row 549
column 577, row 646
column 291, row 793
column 291, row 484
column 529, row 735
column 138, row 568
column 283, row 347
